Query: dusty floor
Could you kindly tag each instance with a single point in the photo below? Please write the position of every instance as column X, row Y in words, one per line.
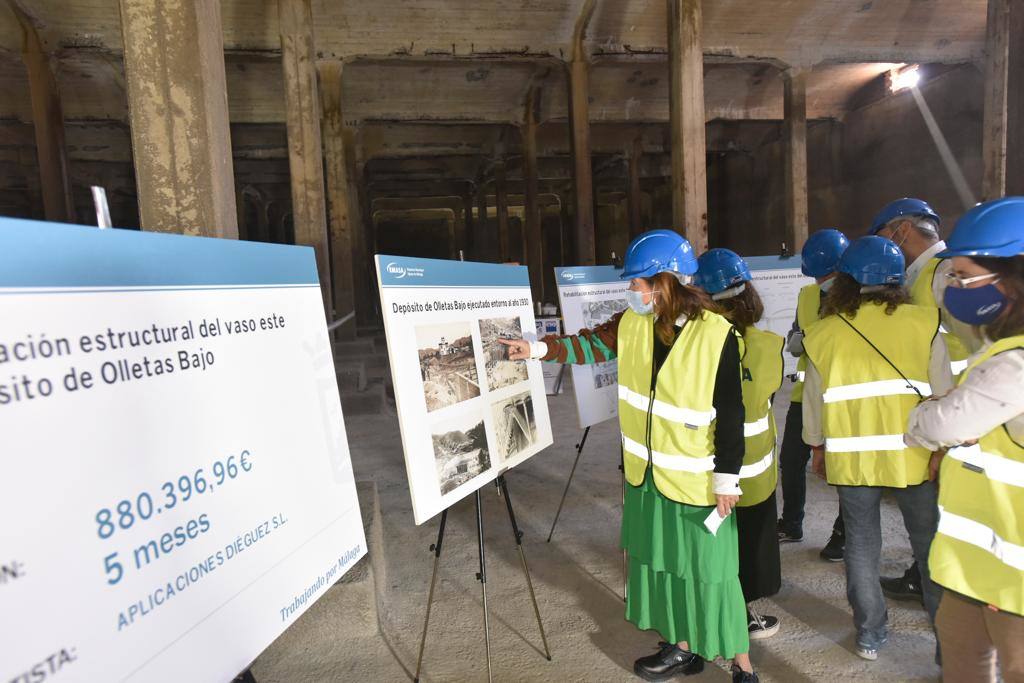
column 578, row 579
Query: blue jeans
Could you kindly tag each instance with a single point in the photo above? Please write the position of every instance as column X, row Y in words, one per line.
column 861, row 507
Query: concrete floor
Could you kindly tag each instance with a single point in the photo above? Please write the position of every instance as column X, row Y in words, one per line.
column 578, row 579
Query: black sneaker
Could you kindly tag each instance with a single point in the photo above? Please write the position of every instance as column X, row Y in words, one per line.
column 761, row 626
column 789, row 533
column 833, row 550
column 741, row 676
column 906, row 587
column 670, row 661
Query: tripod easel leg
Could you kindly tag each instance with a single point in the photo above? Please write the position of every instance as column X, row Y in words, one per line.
column 503, row 485
column 436, row 549
column 482, row 576
column 579, row 452
column 625, row 561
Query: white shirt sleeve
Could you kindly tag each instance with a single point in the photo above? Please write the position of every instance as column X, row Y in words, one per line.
column 813, row 403
column 940, row 376
column 538, row 349
column 990, row 397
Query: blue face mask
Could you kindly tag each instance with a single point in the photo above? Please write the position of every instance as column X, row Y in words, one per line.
column 636, row 302
column 974, row 306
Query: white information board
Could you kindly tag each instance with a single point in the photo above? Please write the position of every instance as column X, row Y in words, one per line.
column 590, row 296
column 778, row 281
column 176, row 486
column 467, row 414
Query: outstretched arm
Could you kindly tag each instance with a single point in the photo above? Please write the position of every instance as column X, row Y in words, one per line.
column 587, row 346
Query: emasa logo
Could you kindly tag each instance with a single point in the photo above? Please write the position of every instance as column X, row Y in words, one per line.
column 570, row 276
column 396, row 270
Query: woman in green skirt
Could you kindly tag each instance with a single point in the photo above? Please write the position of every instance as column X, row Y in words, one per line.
column 681, row 414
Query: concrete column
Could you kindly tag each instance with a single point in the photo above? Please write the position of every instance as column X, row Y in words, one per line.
column 178, row 108
column 635, row 198
column 364, row 274
column 533, row 249
column 993, row 140
column 1015, row 100
column 48, row 121
column 483, row 241
column 579, row 123
column 795, row 153
column 305, row 155
column 469, row 244
column 501, row 204
column 686, row 109
column 340, row 216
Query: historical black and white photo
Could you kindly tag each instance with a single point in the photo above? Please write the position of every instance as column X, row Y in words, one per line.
column 460, row 450
column 501, row 372
column 515, row 424
column 447, row 364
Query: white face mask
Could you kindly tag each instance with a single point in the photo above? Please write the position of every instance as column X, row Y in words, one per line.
column 827, row 285
column 636, row 302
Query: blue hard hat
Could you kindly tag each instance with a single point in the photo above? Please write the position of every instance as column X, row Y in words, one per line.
column 721, row 269
column 994, row 228
column 873, row 260
column 657, row 251
column 821, row 252
column 903, row 207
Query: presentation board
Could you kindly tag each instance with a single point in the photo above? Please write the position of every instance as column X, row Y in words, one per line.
column 590, row 296
column 467, row 414
column 176, row 485
column 778, row 281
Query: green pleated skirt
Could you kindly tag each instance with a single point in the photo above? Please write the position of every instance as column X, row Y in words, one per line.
column 683, row 582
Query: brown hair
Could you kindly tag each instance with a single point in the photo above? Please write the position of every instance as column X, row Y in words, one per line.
column 845, row 297
column 675, row 299
column 744, row 309
column 1011, row 277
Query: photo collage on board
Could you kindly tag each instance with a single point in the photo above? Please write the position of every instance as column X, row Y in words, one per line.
column 460, row 402
column 594, row 314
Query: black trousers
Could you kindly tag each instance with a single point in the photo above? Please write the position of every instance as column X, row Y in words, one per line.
column 760, row 565
column 793, row 459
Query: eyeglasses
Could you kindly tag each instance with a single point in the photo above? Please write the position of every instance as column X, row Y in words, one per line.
column 964, row 282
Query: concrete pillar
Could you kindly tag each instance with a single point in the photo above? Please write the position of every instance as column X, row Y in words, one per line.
column 468, row 232
column 993, row 140
column 635, row 198
column 305, row 155
column 533, row 247
column 483, row 240
column 501, row 204
column 340, row 216
column 1015, row 100
column 48, row 121
column 178, row 109
column 795, row 153
column 686, row 113
column 364, row 274
column 579, row 123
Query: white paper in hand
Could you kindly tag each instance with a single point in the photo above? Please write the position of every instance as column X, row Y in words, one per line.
column 713, row 521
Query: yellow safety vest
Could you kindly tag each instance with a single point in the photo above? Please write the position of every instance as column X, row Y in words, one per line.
column 672, row 427
column 762, row 376
column 866, row 402
column 808, row 304
column 922, row 294
column 978, row 550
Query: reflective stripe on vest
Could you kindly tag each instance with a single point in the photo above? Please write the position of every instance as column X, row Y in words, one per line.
column 800, row 376
column 992, row 465
column 885, row 387
column 670, row 429
column 979, row 548
column 980, row 536
column 808, row 303
column 681, row 416
column 754, row 428
column 762, row 376
column 866, row 402
column 958, row 366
